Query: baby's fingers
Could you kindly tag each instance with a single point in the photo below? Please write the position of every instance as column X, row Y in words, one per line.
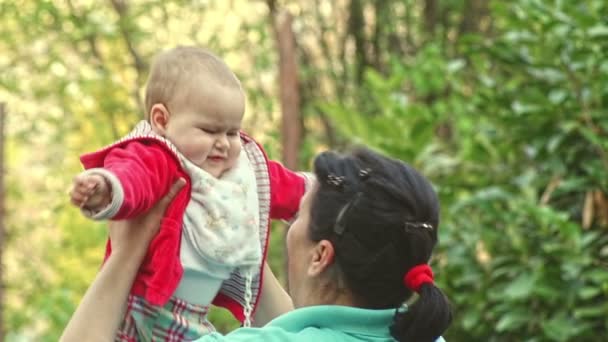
column 85, row 183
column 82, row 190
column 78, row 198
column 92, row 184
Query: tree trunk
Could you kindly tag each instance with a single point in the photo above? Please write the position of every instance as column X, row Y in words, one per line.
column 431, row 11
column 291, row 123
column 291, row 128
column 474, row 12
column 356, row 25
column 382, row 25
column 2, row 220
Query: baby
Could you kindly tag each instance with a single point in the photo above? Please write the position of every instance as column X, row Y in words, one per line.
column 212, row 243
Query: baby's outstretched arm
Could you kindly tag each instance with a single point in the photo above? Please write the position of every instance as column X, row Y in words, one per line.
column 137, row 174
column 90, row 191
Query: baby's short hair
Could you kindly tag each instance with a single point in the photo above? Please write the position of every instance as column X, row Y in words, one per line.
column 174, row 67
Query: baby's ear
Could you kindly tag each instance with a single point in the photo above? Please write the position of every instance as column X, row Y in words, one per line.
column 159, row 118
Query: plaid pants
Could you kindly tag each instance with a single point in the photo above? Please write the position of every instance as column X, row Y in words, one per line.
column 176, row 321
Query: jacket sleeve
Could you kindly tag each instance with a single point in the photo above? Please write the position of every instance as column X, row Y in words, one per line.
column 286, row 190
column 139, row 174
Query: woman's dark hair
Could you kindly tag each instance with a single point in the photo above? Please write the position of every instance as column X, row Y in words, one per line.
column 381, row 216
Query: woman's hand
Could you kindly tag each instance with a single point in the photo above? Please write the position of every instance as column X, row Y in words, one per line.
column 102, row 308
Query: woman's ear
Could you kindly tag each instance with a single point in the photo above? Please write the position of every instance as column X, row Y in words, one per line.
column 159, row 118
column 322, row 257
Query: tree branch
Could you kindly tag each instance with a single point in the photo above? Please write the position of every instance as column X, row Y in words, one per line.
column 326, row 51
column 356, row 25
column 91, row 39
column 121, row 8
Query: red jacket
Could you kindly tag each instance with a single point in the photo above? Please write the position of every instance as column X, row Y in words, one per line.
column 146, row 167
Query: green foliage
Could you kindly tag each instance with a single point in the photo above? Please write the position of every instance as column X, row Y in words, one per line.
column 526, row 123
column 72, row 78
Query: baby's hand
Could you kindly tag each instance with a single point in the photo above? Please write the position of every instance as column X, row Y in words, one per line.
column 90, row 191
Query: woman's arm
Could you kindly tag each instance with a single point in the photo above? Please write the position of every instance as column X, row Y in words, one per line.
column 101, row 310
column 274, row 300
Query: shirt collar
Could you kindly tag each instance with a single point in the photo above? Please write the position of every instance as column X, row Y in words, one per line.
column 336, row 317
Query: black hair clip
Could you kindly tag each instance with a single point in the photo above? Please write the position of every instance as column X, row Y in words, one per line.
column 334, row 180
column 339, row 226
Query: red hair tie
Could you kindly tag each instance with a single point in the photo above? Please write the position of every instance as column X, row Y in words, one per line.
column 418, row 275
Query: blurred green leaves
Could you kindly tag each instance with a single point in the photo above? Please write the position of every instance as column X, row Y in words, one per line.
column 512, row 128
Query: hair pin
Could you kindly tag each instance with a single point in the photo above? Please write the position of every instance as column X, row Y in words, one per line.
column 418, row 225
column 364, row 173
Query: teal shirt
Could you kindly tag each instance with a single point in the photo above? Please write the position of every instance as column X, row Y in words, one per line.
column 318, row 323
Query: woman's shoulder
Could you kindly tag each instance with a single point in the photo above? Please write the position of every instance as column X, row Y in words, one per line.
column 272, row 334
column 277, row 334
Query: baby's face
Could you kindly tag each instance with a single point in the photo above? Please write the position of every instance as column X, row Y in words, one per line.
column 205, row 128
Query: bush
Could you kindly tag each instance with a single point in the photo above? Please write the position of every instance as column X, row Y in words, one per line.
column 513, row 134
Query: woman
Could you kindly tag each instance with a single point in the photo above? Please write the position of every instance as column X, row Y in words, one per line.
column 356, row 253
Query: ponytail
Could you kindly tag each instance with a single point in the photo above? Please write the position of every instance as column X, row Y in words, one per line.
column 426, row 319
